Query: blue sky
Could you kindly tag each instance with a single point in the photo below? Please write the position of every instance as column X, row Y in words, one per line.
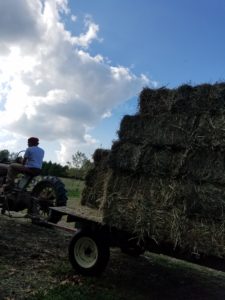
column 172, row 42
column 70, row 70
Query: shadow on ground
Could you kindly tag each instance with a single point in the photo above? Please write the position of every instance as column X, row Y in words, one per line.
column 34, row 258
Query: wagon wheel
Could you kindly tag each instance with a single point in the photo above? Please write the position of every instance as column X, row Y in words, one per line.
column 88, row 253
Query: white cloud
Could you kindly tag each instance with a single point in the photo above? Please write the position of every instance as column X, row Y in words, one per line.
column 50, row 85
column 107, row 114
column 86, row 38
column 73, row 18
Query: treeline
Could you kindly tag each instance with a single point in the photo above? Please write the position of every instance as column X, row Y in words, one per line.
column 54, row 169
column 76, row 168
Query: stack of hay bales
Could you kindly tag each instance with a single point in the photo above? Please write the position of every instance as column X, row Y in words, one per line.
column 164, row 178
column 94, row 190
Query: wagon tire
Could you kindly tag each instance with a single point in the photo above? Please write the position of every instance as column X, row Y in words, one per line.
column 88, row 253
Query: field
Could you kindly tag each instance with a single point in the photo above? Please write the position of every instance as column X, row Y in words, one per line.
column 74, row 189
column 34, row 265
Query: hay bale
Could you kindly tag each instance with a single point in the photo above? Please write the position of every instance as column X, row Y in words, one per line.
column 168, row 129
column 93, row 191
column 175, row 130
column 187, row 164
column 100, row 157
column 166, row 162
column 205, row 237
column 210, row 130
column 185, row 99
column 203, row 165
column 95, row 179
column 146, row 159
column 204, row 200
column 154, row 101
column 165, row 210
column 125, row 156
column 190, row 99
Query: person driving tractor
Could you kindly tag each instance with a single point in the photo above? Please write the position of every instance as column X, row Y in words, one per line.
column 31, row 163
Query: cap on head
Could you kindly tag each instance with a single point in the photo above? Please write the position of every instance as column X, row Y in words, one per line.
column 33, row 141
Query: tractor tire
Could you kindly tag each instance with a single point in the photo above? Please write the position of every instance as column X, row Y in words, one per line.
column 88, row 253
column 49, row 192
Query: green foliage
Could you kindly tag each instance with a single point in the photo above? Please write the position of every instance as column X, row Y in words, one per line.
column 79, row 159
column 54, row 169
column 4, row 155
column 73, row 187
column 79, row 166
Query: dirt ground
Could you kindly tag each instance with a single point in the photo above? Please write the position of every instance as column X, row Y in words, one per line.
column 34, row 258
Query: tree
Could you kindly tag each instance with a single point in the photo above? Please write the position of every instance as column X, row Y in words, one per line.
column 79, row 159
column 54, row 169
column 4, row 155
column 80, row 165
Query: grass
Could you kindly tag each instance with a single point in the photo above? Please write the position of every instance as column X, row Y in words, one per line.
column 74, row 190
column 150, row 277
column 82, row 292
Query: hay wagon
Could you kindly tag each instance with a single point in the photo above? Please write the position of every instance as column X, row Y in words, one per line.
column 161, row 186
column 89, row 247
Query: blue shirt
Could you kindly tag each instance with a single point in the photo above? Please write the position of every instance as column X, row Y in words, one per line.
column 34, row 157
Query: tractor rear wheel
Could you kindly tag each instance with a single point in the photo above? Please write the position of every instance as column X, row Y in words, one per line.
column 49, row 192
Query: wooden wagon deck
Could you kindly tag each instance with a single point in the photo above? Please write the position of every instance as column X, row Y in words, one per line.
column 79, row 214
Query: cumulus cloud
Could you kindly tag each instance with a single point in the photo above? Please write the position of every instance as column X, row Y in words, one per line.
column 50, row 84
